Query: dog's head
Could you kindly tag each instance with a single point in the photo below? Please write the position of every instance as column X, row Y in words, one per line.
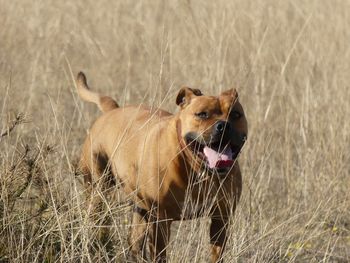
column 214, row 129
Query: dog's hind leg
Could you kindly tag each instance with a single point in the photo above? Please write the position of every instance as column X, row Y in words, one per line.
column 99, row 181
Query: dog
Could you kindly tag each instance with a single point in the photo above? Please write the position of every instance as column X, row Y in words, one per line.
column 176, row 166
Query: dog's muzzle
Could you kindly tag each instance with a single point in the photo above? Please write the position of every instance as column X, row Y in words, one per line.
column 221, row 150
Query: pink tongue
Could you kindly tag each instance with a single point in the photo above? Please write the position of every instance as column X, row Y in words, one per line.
column 217, row 159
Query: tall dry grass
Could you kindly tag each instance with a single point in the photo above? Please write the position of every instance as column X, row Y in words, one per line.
column 290, row 61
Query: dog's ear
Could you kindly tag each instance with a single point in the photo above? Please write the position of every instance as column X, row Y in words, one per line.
column 185, row 94
column 231, row 93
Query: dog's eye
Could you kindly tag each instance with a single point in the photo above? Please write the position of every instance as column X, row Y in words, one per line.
column 235, row 115
column 202, row 115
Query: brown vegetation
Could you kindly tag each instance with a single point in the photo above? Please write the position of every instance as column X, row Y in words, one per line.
column 289, row 60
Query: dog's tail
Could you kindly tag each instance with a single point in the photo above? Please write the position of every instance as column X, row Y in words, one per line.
column 104, row 103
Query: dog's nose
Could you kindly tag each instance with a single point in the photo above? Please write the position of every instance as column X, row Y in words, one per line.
column 222, row 126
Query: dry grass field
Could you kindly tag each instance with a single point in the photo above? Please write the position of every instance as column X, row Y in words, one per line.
column 289, row 60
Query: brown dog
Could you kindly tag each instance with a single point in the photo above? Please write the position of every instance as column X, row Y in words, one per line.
column 177, row 166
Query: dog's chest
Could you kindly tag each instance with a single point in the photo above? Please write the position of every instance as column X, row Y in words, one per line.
column 198, row 202
column 192, row 209
column 199, row 198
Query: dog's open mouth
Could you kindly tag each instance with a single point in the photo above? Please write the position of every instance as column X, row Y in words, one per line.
column 216, row 156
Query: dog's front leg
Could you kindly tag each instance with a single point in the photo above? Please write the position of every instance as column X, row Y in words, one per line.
column 159, row 238
column 138, row 237
column 218, row 229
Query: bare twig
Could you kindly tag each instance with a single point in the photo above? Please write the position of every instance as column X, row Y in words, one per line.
column 20, row 118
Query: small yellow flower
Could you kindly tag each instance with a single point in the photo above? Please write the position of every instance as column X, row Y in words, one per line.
column 297, row 245
column 348, row 239
column 307, row 245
